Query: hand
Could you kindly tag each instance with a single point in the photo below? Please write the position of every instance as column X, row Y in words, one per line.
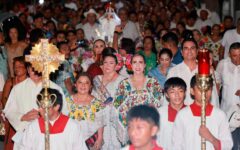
column 237, row 93
column 31, row 115
column 205, row 133
column 98, row 144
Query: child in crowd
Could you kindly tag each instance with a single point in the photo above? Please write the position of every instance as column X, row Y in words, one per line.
column 187, row 129
column 175, row 91
column 143, row 125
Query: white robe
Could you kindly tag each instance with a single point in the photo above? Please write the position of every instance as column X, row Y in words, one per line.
column 22, row 99
column 165, row 131
column 185, row 134
column 230, row 79
column 183, row 71
column 70, row 139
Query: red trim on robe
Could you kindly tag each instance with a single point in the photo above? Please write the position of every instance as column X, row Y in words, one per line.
column 58, row 126
column 156, row 147
column 196, row 109
column 172, row 113
column 219, row 145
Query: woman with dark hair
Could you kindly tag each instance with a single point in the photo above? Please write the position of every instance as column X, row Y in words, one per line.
column 165, row 63
column 15, row 46
column 20, row 74
column 85, row 107
column 149, row 52
column 135, row 90
column 105, row 89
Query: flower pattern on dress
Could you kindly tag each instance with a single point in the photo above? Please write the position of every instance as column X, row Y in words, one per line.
column 127, row 97
column 80, row 112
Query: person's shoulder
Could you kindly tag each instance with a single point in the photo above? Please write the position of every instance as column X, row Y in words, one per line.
column 220, row 113
column 230, row 32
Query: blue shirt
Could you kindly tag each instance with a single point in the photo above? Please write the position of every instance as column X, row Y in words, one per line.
column 177, row 59
column 156, row 73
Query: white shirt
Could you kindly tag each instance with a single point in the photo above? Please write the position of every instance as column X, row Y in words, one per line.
column 183, row 71
column 2, row 82
column 92, row 33
column 22, row 99
column 230, row 79
column 130, row 31
column 229, row 37
column 185, row 134
column 200, row 23
column 70, row 139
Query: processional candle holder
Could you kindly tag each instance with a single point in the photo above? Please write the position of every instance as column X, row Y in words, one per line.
column 45, row 58
column 203, row 82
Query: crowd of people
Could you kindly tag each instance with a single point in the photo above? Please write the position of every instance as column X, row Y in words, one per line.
column 128, row 80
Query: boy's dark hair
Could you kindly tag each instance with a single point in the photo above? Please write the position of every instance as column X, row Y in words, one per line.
column 144, row 112
column 233, row 46
column 175, row 82
column 170, row 37
column 128, row 45
column 190, row 40
column 35, row 35
column 59, row 99
column 38, row 15
column 165, row 51
column 193, row 82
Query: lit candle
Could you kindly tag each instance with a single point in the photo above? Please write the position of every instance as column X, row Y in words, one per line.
column 203, row 62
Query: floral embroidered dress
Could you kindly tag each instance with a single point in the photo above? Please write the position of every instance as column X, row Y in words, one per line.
column 91, row 116
column 127, row 97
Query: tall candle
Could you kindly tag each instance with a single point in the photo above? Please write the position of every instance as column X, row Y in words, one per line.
column 203, row 62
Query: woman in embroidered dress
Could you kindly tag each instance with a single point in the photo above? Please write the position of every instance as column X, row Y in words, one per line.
column 85, row 107
column 135, row 90
column 105, row 89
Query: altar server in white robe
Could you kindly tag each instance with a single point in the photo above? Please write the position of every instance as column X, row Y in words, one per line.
column 188, row 68
column 187, row 128
column 174, row 89
column 65, row 133
column 21, row 107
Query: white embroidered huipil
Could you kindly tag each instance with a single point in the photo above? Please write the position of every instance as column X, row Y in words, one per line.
column 185, row 132
column 230, row 79
column 22, row 99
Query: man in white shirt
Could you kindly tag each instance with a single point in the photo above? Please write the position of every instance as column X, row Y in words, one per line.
column 188, row 68
column 204, row 19
column 91, row 28
column 187, row 128
column 129, row 29
column 21, row 107
column 230, row 37
column 229, row 73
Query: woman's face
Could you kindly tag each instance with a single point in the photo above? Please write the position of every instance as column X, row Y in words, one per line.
column 13, row 33
column 147, row 44
column 216, row 30
column 164, row 60
column 109, row 65
column 19, row 69
column 98, row 47
column 80, row 35
column 83, row 85
column 138, row 65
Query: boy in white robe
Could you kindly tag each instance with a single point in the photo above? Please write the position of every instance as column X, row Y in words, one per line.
column 65, row 133
column 187, row 129
column 175, row 89
column 143, row 125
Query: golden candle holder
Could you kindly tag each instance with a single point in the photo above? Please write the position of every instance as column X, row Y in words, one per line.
column 203, row 83
column 45, row 58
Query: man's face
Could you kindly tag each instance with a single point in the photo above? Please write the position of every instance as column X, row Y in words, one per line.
column 176, row 95
column 123, row 15
column 235, row 56
column 141, row 132
column 91, row 18
column 189, row 51
column 204, row 15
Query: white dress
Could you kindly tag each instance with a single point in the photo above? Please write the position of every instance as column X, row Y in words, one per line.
column 109, row 134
